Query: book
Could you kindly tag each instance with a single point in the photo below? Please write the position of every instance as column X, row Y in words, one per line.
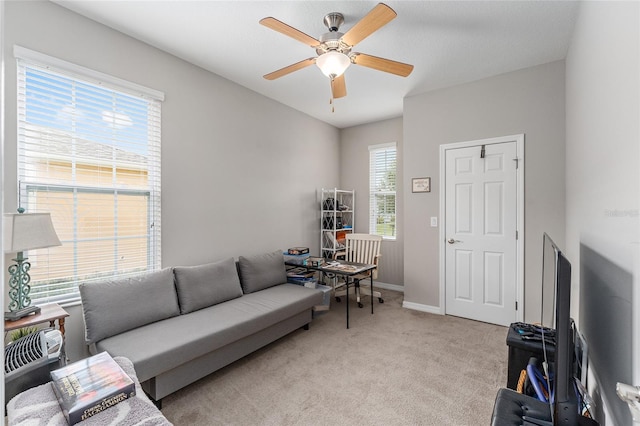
column 89, row 386
column 300, row 273
column 314, row 261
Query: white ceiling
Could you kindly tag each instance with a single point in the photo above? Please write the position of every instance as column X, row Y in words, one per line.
column 449, row 42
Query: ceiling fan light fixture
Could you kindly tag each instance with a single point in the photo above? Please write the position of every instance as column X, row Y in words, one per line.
column 333, row 64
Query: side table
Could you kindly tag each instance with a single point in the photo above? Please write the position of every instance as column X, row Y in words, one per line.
column 49, row 312
column 519, row 353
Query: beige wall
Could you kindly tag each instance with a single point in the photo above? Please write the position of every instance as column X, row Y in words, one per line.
column 239, row 171
column 529, row 101
column 354, row 174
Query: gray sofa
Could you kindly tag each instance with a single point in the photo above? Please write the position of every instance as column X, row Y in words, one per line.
column 180, row 324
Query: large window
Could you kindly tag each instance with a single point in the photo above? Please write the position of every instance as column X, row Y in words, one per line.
column 382, row 190
column 88, row 153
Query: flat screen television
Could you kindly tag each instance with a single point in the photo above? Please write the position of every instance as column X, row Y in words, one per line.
column 556, row 313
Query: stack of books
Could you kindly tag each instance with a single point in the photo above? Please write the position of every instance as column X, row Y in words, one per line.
column 302, row 276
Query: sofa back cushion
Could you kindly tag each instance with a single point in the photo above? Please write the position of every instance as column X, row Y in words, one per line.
column 205, row 285
column 262, row 271
column 117, row 305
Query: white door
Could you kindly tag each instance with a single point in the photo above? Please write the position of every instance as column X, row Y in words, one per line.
column 480, row 231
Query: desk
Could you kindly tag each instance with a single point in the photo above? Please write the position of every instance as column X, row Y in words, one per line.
column 49, row 312
column 343, row 268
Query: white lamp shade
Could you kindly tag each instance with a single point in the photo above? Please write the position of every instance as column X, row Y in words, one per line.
column 333, row 64
column 28, row 231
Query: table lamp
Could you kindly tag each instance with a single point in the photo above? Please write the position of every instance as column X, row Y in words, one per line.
column 22, row 232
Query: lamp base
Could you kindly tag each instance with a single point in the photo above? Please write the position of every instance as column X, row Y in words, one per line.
column 21, row 313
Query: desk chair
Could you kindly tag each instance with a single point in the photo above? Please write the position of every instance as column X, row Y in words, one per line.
column 361, row 248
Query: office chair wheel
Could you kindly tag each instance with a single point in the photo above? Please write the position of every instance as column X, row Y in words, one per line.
column 360, row 305
column 380, row 299
column 337, row 299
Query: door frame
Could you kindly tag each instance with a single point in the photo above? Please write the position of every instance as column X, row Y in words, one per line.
column 519, row 140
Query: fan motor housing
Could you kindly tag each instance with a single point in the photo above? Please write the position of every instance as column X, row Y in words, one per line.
column 333, row 21
column 332, row 41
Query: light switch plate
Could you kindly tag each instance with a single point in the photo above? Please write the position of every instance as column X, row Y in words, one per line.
column 434, row 221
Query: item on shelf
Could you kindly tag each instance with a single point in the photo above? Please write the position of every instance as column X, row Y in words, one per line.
column 298, row 250
column 327, row 222
column 331, row 204
column 89, row 386
column 339, row 244
column 337, row 220
column 314, row 261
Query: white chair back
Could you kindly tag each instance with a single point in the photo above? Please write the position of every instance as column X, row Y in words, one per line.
column 363, row 248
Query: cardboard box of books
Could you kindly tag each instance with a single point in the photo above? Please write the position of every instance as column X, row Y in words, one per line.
column 89, row 386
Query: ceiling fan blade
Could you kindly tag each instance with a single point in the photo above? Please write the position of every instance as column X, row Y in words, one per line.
column 381, row 64
column 338, row 87
column 373, row 21
column 291, row 68
column 288, row 30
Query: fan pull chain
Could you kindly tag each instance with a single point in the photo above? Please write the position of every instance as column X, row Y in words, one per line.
column 331, row 103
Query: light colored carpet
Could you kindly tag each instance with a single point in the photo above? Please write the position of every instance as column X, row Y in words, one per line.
column 396, row 367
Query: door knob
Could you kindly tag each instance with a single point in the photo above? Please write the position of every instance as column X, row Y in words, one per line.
column 451, row 241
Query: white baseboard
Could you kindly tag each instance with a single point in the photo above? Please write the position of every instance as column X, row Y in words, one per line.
column 423, row 308
column 394, row 287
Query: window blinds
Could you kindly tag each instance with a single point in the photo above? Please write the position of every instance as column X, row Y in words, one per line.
column 89, row 154
column 382, row 190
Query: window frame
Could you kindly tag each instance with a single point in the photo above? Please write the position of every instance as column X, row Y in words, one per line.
column 373, row 194
column 150, row 166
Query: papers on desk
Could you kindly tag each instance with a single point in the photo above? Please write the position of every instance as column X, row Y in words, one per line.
column 337, row 266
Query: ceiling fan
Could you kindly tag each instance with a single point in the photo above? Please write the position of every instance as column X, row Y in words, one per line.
column 334, row 48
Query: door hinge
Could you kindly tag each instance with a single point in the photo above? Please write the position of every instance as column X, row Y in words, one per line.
column 516, row 305
column 516, row 235
column 482, row 152
column 517, row 160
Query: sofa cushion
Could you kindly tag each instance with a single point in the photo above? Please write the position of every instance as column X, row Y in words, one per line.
column 164, row 345
column 262, row 271
column 205, row 285
column 113, row 306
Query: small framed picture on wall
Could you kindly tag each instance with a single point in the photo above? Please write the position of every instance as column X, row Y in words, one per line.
column 421, row 184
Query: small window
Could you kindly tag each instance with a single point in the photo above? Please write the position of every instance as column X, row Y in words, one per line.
column 382, row 190
column 88, row 153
